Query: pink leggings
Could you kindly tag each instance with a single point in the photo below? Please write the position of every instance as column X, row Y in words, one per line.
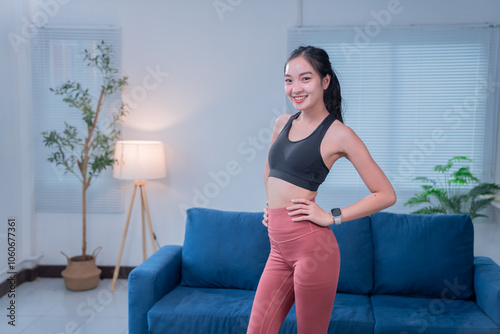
column 303, row 267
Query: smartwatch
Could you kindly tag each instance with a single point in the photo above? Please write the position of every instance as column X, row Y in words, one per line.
column 337, row 215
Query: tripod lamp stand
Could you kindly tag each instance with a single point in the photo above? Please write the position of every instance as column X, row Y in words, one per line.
column 138, row 160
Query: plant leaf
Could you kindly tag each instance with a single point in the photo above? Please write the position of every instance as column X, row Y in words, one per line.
column 430, row 210
column 484, row 189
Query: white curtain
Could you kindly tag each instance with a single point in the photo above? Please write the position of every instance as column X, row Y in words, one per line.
column 57, row 56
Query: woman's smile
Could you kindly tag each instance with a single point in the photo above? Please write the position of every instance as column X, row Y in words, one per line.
column 299, row 98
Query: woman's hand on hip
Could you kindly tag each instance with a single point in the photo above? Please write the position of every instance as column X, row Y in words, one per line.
column 266, row 216
column 311, row 210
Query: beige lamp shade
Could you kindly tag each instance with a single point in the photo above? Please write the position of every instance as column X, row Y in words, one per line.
column 139, row 160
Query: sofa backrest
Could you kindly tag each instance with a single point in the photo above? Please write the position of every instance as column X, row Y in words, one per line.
column 356, row 256
column 385, row 253
column 423, row 255
column 224, row 249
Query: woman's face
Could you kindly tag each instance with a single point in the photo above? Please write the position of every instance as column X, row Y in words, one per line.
column 303, row 85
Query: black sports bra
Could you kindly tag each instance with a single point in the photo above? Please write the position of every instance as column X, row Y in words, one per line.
column 300, row 162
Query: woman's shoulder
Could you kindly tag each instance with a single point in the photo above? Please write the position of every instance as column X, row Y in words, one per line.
column 338, row 128
column 340, row 133
column 281, row 121
column 342, row 136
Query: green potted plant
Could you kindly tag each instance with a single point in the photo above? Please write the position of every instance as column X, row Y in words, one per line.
column 449, row 195
column 88, row 154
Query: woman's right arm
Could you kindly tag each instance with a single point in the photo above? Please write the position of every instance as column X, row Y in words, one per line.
column 278, row 126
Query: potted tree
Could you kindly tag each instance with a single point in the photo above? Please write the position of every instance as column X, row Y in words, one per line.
column 88, row 154
column 448, row 195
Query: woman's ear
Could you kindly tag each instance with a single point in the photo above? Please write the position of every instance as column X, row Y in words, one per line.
column 326, row 81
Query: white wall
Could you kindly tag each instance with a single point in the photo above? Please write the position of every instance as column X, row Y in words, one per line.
column 222, row 92
column 15, row 195
column 10, row 197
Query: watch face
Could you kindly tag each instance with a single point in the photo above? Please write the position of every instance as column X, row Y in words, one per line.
column 336, row 212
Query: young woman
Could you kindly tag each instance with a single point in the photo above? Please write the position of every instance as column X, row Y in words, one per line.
column 304, row 263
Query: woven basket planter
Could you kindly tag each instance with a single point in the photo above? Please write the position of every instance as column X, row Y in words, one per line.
column 81, row 275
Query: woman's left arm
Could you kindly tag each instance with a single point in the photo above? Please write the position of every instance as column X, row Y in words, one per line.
column 382, row 193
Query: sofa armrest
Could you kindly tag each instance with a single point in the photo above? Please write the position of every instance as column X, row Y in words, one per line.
column 487, row 286
column 149, row 282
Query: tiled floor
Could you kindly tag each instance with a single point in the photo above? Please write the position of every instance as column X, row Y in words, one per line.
column 45, row 306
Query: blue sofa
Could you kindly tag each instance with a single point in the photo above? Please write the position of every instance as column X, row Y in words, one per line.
column 400, row 274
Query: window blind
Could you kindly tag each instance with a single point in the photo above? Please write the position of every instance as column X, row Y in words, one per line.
column 416, row 96
column 57, row 56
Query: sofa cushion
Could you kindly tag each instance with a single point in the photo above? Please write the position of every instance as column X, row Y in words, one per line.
column 356, row 256
column 224, row 249
column 215, row 311
column 398, row 314
column 352, row 314
column 423, row 255
column 201, row 311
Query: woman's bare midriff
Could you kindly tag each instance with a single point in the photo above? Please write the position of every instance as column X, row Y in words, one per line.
column 280, row 193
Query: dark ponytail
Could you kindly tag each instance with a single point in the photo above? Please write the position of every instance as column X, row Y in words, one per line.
column 319, row 60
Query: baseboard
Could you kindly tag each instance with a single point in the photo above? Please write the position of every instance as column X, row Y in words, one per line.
column 28, row 275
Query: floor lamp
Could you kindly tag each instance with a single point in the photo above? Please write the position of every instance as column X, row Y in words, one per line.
column 138, row 160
